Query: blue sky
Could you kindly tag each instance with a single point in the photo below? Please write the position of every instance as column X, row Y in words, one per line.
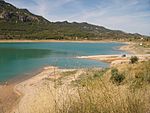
column 127, row 15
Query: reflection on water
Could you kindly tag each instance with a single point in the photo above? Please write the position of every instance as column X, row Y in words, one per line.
column 11, row 54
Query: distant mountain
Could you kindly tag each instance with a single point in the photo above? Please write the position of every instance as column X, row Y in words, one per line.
column 18, row 23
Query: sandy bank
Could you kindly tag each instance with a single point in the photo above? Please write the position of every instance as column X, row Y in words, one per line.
column 8, row 98
column 116, row 59
column 77, row 41
column 134, row 48
column 40, row 90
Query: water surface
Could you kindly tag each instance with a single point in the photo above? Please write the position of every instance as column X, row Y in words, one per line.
column 18, row 59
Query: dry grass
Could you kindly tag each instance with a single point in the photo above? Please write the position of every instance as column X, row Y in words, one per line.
column 93, row 91
column 100, row 95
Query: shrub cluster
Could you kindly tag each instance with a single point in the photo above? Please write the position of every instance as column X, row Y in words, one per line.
column 134, row 59
column 116, row 77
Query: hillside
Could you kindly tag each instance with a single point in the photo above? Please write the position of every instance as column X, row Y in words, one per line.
column 21, row 24
column 10, row 13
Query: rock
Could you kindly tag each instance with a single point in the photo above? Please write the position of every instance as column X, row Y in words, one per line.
column 9, row 12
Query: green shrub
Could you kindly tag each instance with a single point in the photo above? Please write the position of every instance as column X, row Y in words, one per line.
column 134, row 59
column 116, row 77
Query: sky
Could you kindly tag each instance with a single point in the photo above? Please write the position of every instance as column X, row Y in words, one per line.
column 128, row 15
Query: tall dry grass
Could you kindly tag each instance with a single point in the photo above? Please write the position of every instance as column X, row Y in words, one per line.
column 98, row 94
column 94, row 91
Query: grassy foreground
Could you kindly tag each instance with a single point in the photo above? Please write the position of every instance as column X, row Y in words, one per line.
column 121, row 89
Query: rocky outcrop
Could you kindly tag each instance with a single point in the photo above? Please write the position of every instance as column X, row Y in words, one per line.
column 13, row 16
column 9, row 12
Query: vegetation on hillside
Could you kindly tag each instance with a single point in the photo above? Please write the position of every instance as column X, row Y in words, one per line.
column 21, row 24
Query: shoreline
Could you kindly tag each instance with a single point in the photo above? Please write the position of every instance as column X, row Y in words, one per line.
column 69, row 41
column 129, row 47
column 27, row 81
column 34, row 77
column 25, row 88
column 132, row 50
column 10, row 92
column 116, row 59
column 13, row 90
column 18, row 79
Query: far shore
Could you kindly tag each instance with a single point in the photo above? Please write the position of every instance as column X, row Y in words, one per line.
column 78, row 41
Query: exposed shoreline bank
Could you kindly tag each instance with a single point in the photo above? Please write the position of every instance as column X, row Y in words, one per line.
column 71, row 41
column 27, row 88
column 9, row 92
column 16, row 89
column 132, row 49
column 116, row 59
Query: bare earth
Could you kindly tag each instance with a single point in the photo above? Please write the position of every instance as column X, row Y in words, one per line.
column 132, row 48
column 116, row 59
column 40, row 93
column 8, row 98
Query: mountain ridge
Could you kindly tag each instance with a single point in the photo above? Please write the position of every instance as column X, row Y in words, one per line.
column 18, row 23
column 9, row 12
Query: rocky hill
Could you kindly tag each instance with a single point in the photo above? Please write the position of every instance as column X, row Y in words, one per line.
column 18, row 23
column 9, row 12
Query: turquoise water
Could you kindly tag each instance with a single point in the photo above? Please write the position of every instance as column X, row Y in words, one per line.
column 18, row 59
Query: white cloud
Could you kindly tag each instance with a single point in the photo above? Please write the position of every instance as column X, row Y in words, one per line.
column 47, row 6
column 128, row 16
